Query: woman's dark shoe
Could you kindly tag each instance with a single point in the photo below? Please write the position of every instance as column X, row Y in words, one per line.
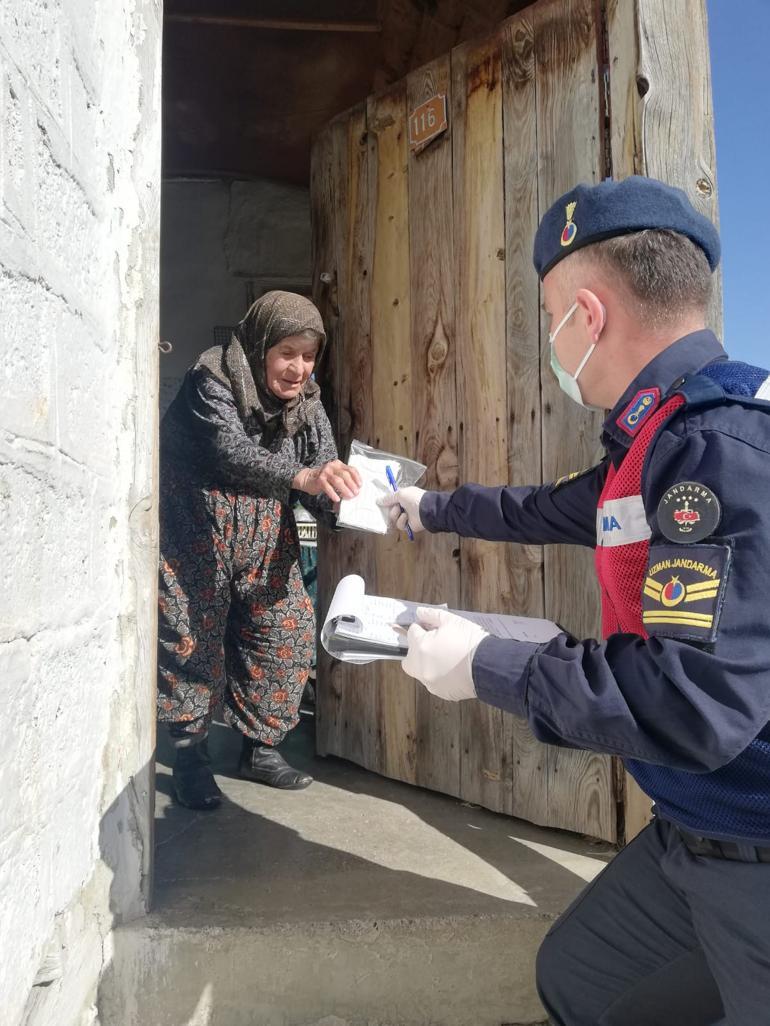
column 194, row 784
column 266, row 765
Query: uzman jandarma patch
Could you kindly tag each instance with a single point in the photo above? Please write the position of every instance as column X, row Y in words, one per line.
column 683, row 590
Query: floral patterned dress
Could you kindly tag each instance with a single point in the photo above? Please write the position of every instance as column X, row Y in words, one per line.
column 236, row 625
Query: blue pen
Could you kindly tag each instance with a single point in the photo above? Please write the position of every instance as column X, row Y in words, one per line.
column 394, row 486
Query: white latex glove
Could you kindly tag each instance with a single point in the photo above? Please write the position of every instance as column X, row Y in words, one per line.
column 403, row 508
column 441, row 656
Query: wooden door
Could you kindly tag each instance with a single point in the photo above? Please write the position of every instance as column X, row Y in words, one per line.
column 423, row 273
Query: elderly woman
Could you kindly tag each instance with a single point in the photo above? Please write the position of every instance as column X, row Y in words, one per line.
column 244, row 436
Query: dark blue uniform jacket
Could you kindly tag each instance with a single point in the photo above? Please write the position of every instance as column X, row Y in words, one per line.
column 697, row 710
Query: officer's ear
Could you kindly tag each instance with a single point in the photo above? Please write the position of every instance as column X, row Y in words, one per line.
column 594, row 313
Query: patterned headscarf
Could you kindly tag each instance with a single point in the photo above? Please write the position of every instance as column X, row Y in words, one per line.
column 240, row 364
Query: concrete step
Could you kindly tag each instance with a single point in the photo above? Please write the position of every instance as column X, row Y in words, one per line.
column 358, row 902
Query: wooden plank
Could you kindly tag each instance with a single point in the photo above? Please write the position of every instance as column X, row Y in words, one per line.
column 391, row 397
column 323, row 192
column 662, row 111
column 348, row 717
column 625, row 112
column 580, row 784
column 354, row 265
column 361, row 727
column 276, row 24
column 391, row 336
column 637, row 809
column 434, row 407
column 678, row 143
column 527, row 794
column 481, row 370
column 625, row 108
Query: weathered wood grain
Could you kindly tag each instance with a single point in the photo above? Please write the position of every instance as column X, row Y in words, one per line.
column 355, row 256
column 637, row 809
column 626, row 159
column 356, row 552
column 580, row 784
column 479, row 227
column 323, row 193
column 527, row 782
column 436, row 310
column 322, row 212
column 662, row 110
column 678, row 141
column 391, row 398
column 625, row 107
column 364, row 721
column 434, row 406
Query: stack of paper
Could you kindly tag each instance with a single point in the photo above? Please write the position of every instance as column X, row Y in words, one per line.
column 363, row 512
column 359, row 628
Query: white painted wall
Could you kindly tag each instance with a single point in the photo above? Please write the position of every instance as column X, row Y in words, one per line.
column 79, row 196
column 224, row 244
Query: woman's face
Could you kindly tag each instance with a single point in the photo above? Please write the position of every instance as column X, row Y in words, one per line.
column 288, row 365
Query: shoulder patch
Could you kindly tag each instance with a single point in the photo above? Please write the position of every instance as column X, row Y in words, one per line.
column 684, row 590
column 688, row 513
column 567, row 478
column 638, row 410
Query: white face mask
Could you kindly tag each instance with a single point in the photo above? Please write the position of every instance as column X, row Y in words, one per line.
column 568, row 383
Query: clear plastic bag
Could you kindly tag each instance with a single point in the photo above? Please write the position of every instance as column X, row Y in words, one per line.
column 364, row 513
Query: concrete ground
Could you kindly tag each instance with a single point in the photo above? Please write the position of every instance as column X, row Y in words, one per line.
column 358, row 902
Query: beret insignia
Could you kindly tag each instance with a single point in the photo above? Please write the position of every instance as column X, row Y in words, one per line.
column 570, row 228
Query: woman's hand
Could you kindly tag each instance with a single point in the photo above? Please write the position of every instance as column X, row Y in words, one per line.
column 335, row 479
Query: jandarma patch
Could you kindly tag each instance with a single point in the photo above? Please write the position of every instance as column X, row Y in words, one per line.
column 638, row 410
column 688, row 512
column 684, row 589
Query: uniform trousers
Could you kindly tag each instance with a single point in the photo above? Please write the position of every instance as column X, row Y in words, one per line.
column 235, row 622
column 663, row 937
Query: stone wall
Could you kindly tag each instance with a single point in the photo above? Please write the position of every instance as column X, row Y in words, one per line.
column 79, row 220
column 224, row 244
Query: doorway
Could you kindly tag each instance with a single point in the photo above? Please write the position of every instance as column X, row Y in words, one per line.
column 561, row 91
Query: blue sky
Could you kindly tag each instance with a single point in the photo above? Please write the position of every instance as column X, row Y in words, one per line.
column 739, row 31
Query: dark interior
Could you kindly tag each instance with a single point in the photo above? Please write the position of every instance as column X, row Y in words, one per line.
column 247, row 83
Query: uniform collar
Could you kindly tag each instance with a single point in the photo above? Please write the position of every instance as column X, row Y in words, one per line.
column 685, row 356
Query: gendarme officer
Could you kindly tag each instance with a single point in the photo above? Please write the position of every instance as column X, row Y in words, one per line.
column 677, row 928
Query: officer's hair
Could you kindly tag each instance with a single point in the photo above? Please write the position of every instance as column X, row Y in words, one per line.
column 665, row 274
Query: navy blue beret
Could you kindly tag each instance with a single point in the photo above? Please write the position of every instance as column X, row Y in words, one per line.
column 590, row 213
